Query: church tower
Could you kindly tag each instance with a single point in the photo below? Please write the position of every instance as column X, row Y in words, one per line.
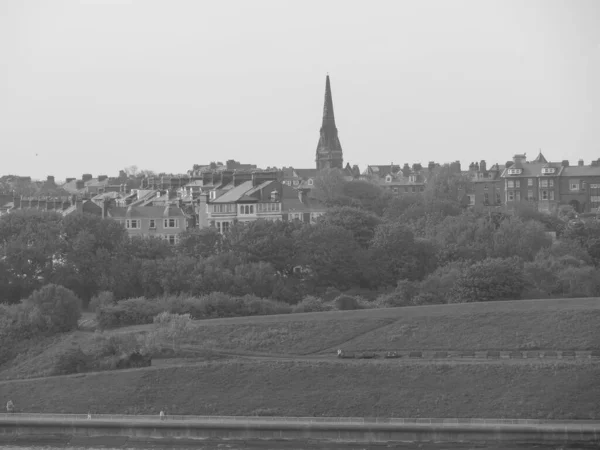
column 329, row 149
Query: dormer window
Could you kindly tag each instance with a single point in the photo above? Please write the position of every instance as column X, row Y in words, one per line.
column 213, row 195
column 412, row 178
column 310, row 182
column 515, row 171
column 548, row 170
column 388, row 179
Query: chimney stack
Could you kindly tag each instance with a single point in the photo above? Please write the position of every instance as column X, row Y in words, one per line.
column 483, row 166
column 565, row 163
column 86, row 177
column 580, row 162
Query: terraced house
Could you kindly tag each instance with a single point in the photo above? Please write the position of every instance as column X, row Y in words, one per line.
column 550, row 184
column 164, row 222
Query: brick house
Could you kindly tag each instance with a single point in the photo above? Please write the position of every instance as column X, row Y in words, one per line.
column 487, row 188
column 536, row 182
column 580, row 186
column 164, row 222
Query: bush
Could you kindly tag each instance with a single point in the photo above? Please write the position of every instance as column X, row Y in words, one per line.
column 104, row 298
column 134, row 311
column 312, row 304
column 139, row 311
column 59, row 308
column 72, row 361
column 347, row 303
column 490, row 279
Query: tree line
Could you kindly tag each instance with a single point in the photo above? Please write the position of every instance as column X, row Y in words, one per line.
column 424, row 248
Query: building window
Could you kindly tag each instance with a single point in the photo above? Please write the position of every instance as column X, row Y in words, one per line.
column 223, row 227
column 517, row 184
column 172, row 238
column 485, row 187
column 574, row 185
column 547, row 170
column 296, row 182
column 310, row 182
column 517, row 196
column 395, row 190
column 498, row 199
column 552, row 195
column 246, row 209
column 486, row 198
column 471, row 199
column 388, row 179
column 529, row 182
column 511, row 196
column 551, row 183
column 530, row 195
column 544, row 195
column 514, row 171
column 413, row 189
column 213, row 195
column 152, row 224
column 510, row 184
column 422, row 189
column 132, row 224
column 171, row 223
column 268, row 207
column 295, row 216
column 544, row 183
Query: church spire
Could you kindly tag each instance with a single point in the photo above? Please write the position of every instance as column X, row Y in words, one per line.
column 329, row 149
column 328, row 117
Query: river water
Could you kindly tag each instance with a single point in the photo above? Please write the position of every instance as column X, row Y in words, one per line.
column 312, row 446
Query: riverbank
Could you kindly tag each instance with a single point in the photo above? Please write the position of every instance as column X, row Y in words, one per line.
column 330, row 388
column 181, row 430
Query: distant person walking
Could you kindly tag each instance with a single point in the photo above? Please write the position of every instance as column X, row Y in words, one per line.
column 10, row 407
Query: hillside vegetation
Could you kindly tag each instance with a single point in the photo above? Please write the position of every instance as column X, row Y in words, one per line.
column 326, row 388
column 566, row 324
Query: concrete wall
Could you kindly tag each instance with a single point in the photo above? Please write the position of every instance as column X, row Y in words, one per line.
column 298, row 429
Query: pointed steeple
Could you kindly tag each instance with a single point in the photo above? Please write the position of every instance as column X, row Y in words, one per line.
column 328, row 116
column 329, row 149
column 540, row 158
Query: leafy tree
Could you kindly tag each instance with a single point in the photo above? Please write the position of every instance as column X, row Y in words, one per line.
column 59, row 307
column 397, row 255
column 490, row 279
column 200, row 242
column 331, row 255
column 359, row 222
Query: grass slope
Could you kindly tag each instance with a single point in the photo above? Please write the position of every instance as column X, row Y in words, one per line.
column 326, row 388
column 558, row 324
column 562, row 324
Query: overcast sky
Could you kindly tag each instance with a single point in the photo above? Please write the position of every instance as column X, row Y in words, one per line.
column 92, row 86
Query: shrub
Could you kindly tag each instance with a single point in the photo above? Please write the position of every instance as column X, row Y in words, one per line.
column 311, row 304
column 72, row 361
column 59, row 307
column 347, row 302
column 139, row 311
column 173, row 327
column 104, row 298
column 490, row 279
column 134, row 311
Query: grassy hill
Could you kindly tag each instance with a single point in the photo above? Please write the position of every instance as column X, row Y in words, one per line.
column 296, row 386
column 330, row 388
column 562, row 324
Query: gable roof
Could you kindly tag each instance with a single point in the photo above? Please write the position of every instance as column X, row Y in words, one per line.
column 531, row 169
column 581, row 171
column 235, row 193
column 148, row 212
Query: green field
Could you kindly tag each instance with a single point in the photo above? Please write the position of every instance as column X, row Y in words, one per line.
column 284, row 382
column 328, row 388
